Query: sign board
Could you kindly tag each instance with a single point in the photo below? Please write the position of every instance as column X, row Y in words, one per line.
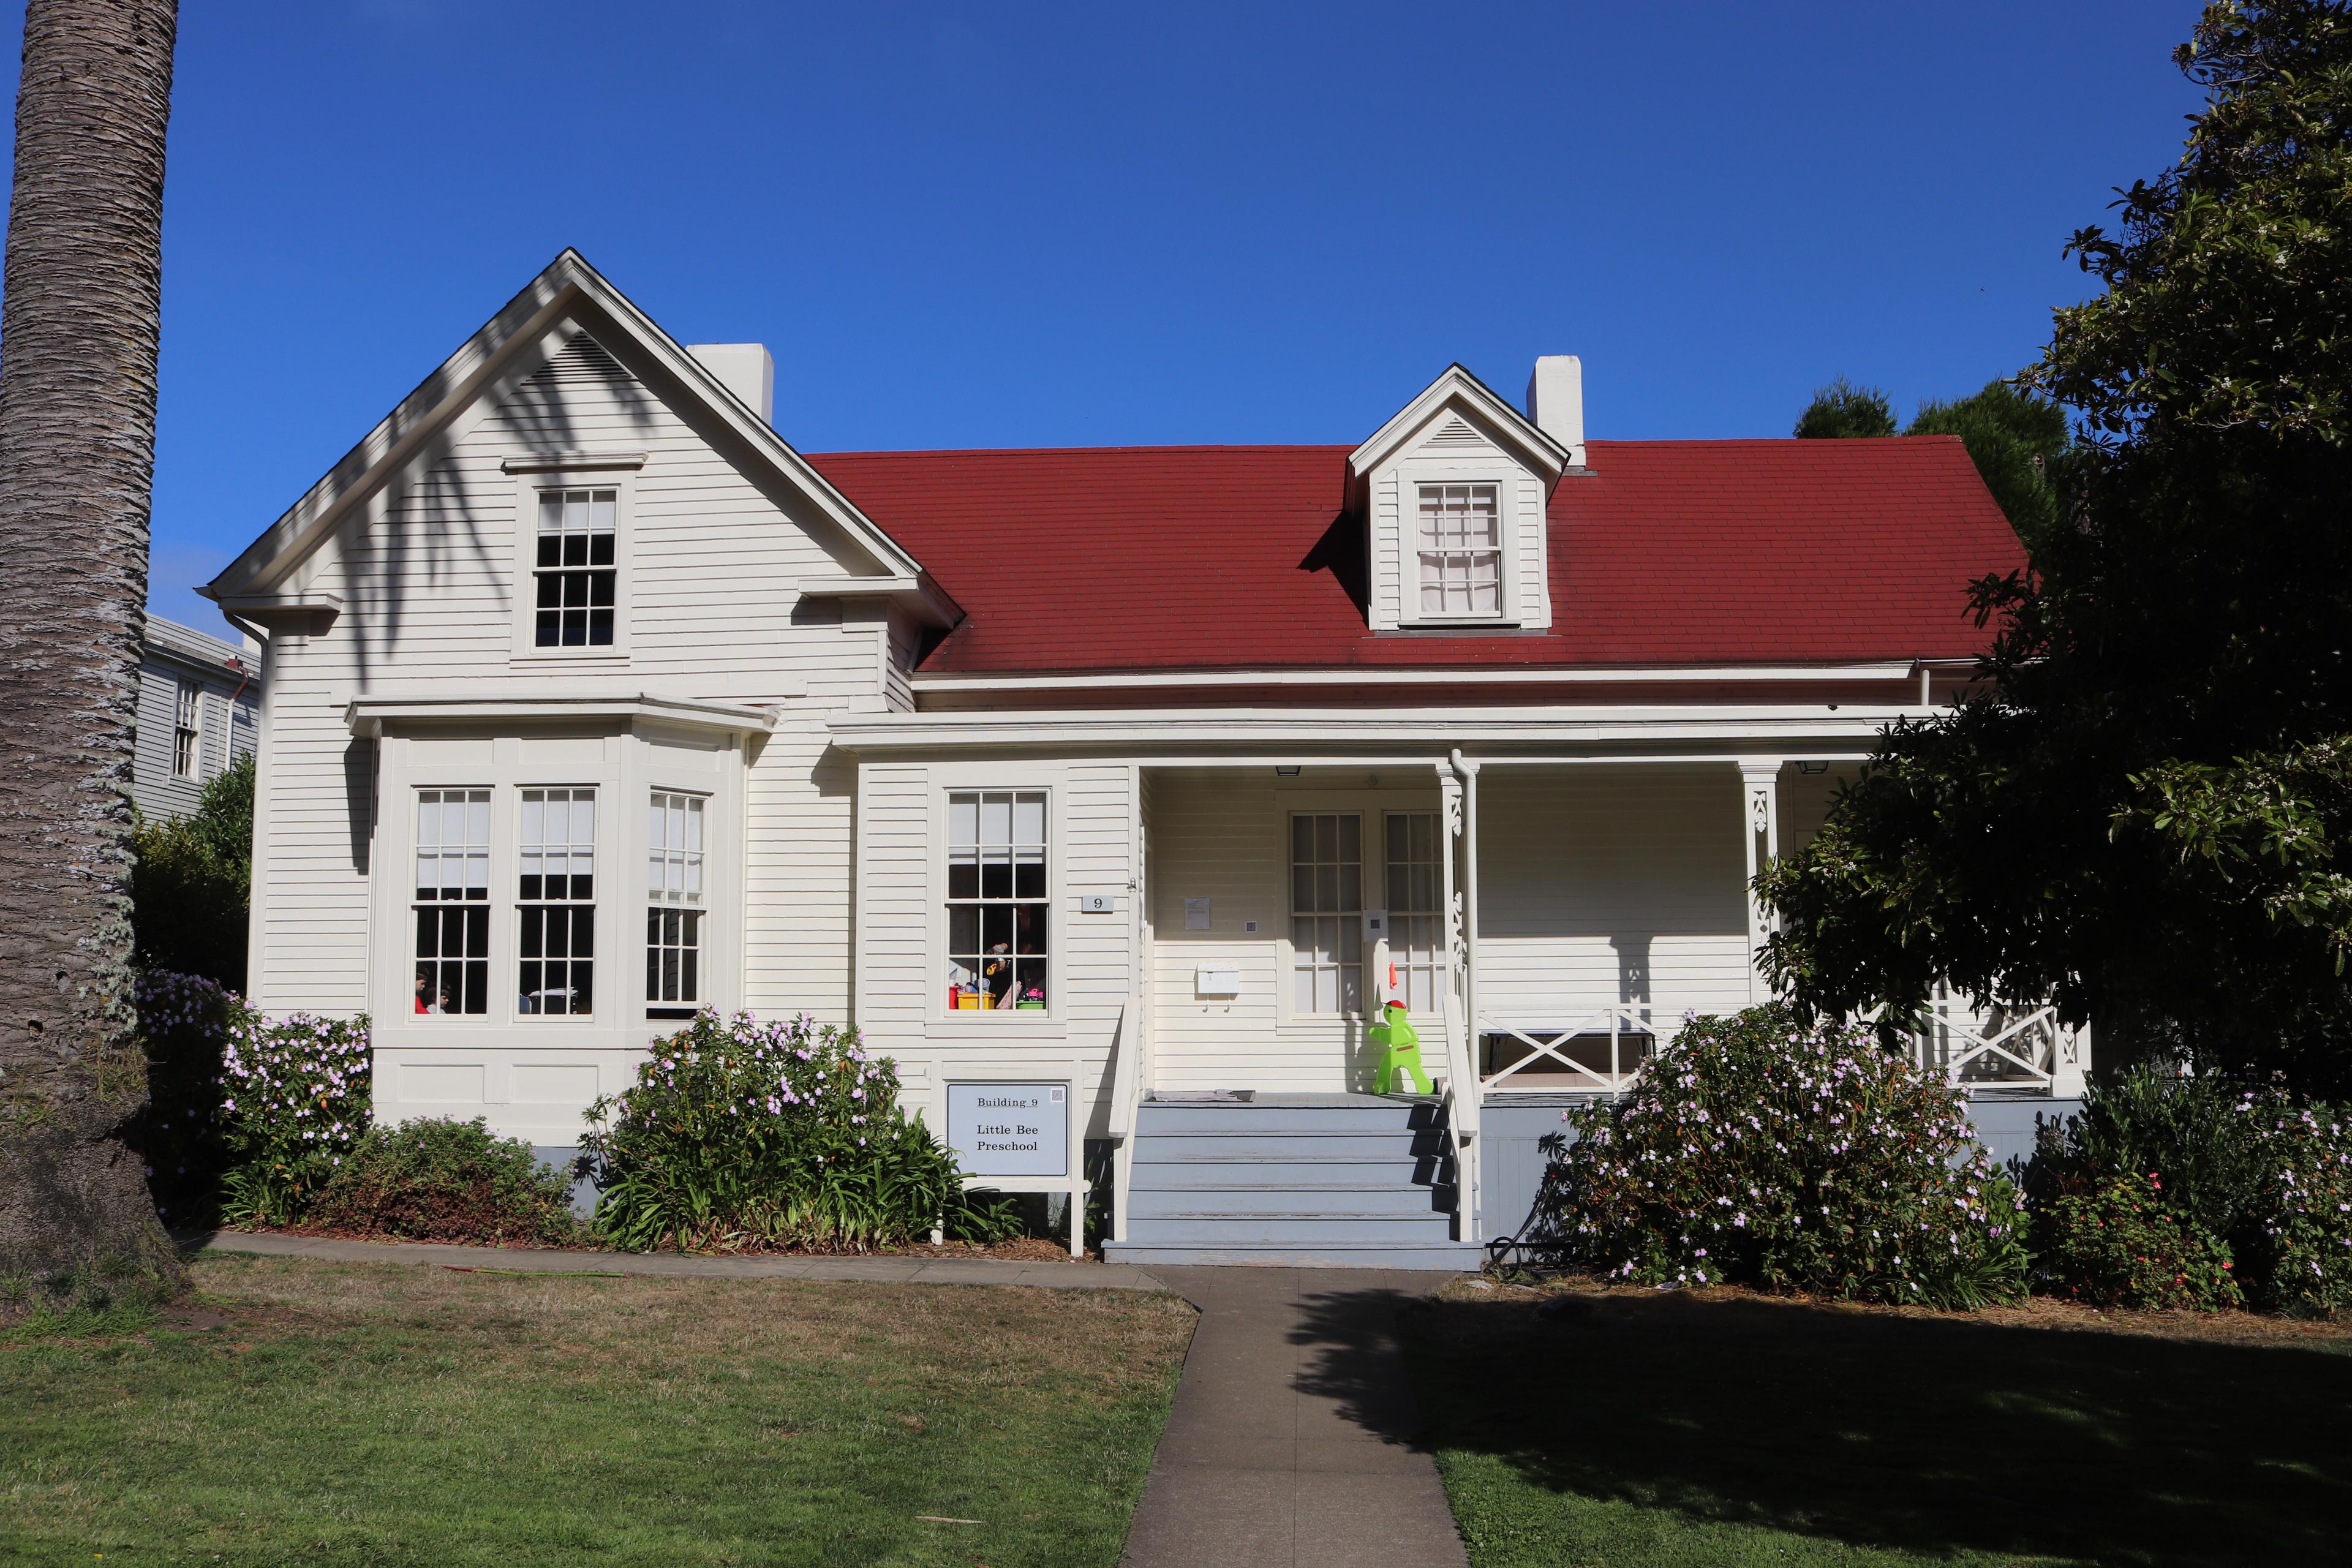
column 1009, row 1129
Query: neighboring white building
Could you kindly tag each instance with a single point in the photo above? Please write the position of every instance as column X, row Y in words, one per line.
column 198, row 704
column 591, row 701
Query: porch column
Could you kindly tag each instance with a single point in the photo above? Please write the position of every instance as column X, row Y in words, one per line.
column 1760, row 817
column 1469, row 771
column 1449, row 790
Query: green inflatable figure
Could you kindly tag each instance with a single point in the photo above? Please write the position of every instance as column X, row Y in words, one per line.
column 1400, row 1050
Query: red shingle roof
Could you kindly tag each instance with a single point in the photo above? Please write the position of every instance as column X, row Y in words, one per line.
column 1671, row 553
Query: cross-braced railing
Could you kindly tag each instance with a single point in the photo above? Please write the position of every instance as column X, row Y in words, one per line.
column 1603, row 1050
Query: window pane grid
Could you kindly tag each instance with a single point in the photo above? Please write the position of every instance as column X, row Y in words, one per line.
column 572, row 579
column 1461, row 552
column 1415, row 907
column 187, row 728
column 998, row 917
column 452, row 902
column 556, row 900
column 673, row 892
column 1326, row 903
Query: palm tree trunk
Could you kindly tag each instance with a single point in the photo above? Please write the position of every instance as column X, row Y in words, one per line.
column 77, row 332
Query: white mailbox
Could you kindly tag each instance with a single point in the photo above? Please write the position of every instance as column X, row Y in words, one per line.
column 1217, row 981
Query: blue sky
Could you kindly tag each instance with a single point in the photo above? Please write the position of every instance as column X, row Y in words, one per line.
column 1053, row 224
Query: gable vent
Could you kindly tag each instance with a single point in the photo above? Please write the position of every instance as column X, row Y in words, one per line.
column 583, row 362
column 1456, row 433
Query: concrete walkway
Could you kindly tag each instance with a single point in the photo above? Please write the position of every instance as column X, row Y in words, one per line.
column 1294, row 1437
column 884, row 1270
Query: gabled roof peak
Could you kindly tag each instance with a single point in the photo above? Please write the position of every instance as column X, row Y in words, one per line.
column 1456, row 388
column 567, row 290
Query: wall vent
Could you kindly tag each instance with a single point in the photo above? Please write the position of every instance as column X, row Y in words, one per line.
column 1456, row 434
column 583, row 362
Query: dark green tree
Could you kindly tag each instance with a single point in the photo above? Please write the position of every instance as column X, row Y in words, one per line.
column 191, row 881
column 1842, row 409
column 2138, row 815
column 2018, row 443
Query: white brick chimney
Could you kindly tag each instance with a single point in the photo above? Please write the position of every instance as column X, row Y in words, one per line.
column 745, row 370
column 1556, row 403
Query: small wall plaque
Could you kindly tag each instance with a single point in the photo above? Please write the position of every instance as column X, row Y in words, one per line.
column 1094, row 903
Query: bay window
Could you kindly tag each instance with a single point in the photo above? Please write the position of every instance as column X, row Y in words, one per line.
column 674, row 905
column 451, row 906
column 556, row 901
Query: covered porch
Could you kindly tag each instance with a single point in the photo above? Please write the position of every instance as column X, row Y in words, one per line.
column 1550, row 922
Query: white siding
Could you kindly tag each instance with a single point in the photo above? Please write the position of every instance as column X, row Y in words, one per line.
column 426, row 579
column 902, row 964
column 225, row 732
column 1596, row 884
column 1600, row 885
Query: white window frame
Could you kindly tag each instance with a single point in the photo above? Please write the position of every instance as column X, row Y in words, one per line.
column 1420, row 966
column 585, row 474
column 678, row 882
column 1402, row 511
column 486, row 905
column 1061, row 923
column 1349, row 922
column 188, row 731
column 1417, row 555
column 598, row 923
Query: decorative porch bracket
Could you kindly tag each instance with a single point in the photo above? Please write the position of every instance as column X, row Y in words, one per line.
column 1759, row 816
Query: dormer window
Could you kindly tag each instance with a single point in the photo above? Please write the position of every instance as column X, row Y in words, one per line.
column 1460, row 551
column 1455, row 494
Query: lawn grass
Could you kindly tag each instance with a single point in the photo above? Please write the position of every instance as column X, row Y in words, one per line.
column 1718, row 1429
column 331, row 1413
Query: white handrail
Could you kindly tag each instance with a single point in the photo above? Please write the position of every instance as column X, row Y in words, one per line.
column 1546, row 1042
column 1459, row 1108
column 1126, row 1097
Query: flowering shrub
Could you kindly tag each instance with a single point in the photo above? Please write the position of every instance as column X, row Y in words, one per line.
column 2121, row 1244
column 294, row 1099
column 2251, row 1168
column 437, row 1180
column 1761, row 1152
column 2297, row 1241
column 183, row 1022
column 742, row 1134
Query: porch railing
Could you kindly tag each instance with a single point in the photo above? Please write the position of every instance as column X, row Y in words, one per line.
column 1628, row 1028
column 1603, row 1049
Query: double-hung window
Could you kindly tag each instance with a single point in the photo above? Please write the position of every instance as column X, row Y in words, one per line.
column 556, row 901
column 573, row 579
column 1460, row 540
column 1416, row 920
column 1327, row 911
column 674, row 908
column 997, row 910
column 453, row 900
column 188, row 731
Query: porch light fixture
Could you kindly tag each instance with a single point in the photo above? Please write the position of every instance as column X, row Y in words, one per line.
column 1813, row 767
column 1281, row 771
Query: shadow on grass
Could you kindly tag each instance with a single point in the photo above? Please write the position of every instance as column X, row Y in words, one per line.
column 1935, row 1436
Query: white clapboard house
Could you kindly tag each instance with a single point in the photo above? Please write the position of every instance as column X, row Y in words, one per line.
column 1147, row 771
column 197, row 710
